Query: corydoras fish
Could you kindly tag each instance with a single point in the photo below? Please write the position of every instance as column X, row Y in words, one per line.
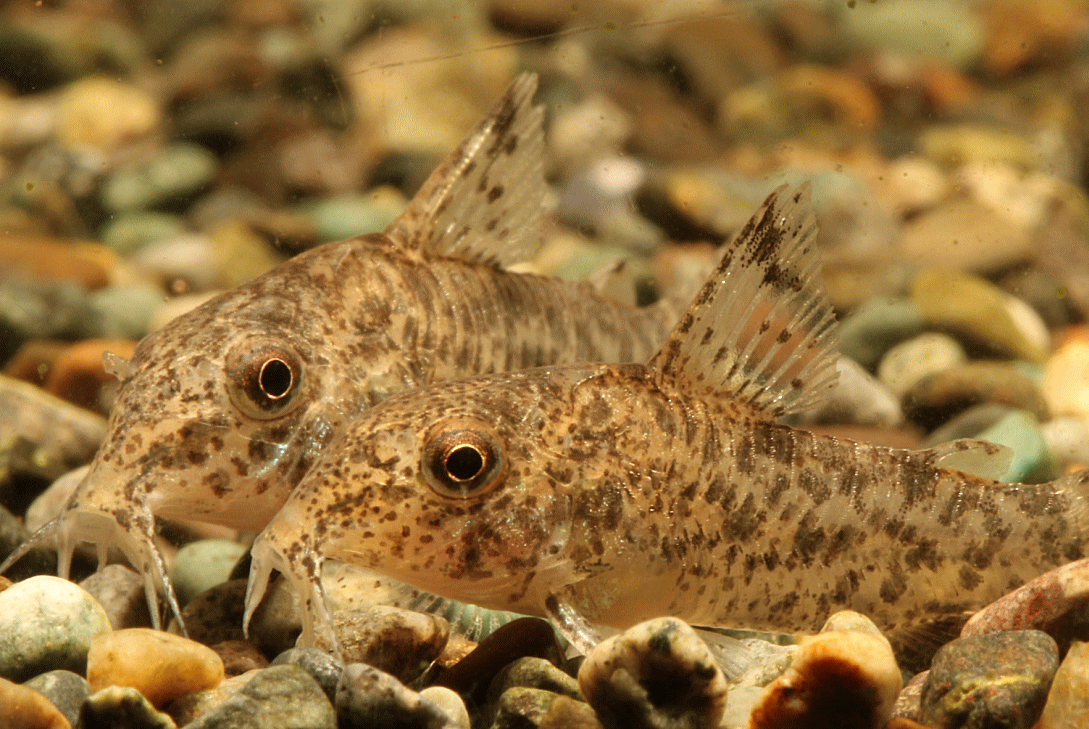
column 612, row 494
column 221, row 412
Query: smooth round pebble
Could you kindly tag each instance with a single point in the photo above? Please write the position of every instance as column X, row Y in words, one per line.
column 65, row 690
column 520, row 707
column 278, row 697
column 869, row 330
column 368, row 697
column 121, row 706
column 321, row 666
column 215, row 615
column 201, row 565
column 857, row 398
column 21, row 707
column 400, row 642
column 161, row 666
column 937, row 398
column 81, row 121
column 1068, row 700
column 47, row 623
column 621, row 678
column 838, row 678
column 120, row 592
column 1065, row 386
column 910, row 361
column 509, row 642
column 240, row 656
column 532, row 672
column 133, row 230
column 450, row 703
column 998, row 680
column 178, row 172
column 1031, row 461
column 125, row 311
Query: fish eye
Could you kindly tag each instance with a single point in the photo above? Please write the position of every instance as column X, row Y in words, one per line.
column 463, row 460
column 263, row 380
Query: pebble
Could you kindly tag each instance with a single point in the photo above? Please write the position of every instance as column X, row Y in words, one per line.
column 161, row 666
column 368, row 697
column 621, row 676
column 840, row 678
column 1067, row 439
column 745, row 691
column 42, row 310
column 585, row 131
column 134, row 230
column 509, row 642
column 966, row 235
column 350, row 214
column 1056, row 602
column 171, row 179
column 1031, row 460
column 967, row 424
column 528, row 708
column 909, row 702
column 78, row 375
column 1065, row 385
column 980, row 313
column 938, row 397
column 321, row 666
column 1068, row 700
column 533, row 672
column 240, row 253
column 947, row 32
column 201, row 565
column 21, row 707
column 451, row 704
column 910, row 361
column 48, row 623
column 400, row 642
column 239, row 657
column 857, row 398
column 998, row 680
column 121, row 706
column 64, row 689
column 83, row 263
column 120, row 592
column 133, row 113
column 870, row 330
column 278, row 697
column 215, row 615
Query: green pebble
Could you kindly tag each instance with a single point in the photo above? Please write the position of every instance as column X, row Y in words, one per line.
column 1019, row 431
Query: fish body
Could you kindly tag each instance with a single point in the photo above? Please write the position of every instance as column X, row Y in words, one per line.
column 609, row 494
column 221, row 412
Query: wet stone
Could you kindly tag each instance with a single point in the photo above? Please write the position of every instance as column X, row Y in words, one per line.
column 937, row 398
column 368, row 697
column 857, row 398
column 910, row 361
column 538, row 673
column 400, row 642
column 215, row 615
column 520, row 707
column 126, row 311
column 201, row 565
column 451, row 704
column 1066, row 379
column 121, row 706
column 240, row 656
column 41, row 310
column 190, row 707
column 132, row 113
column 132, row 231
column 909, row 702
column 278, row 697
column 1020, row 431
column 64, row 689
column 769, row 661
column 623, row 675
column 321, row 666
column 999, row 680
column 21, row 707
column 174, row 176
column 1068, row 700
column 161, row 666
column 840, row 678
column 871, row 329
column 120, row 592
column 48, row 623
column 79, row 377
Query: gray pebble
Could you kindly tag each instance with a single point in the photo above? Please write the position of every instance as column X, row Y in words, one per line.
column 344, row 216
column 178, row 173
column 126, row 312
column 42, row 310
column 64, row 689
column 47, row 623
column 367, row 697
column 278, row 697
column 117, row 707
column 999, row 680
column 201, row 565
column 321, row 666
column 910, row 361
column 532, row 672
column 857, row 398
column 133, row 230
column 215, row 615
column 120, row 592
column 525, row 708
column 871, row 329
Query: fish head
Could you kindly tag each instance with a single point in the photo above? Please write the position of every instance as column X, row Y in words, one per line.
column 446, row 488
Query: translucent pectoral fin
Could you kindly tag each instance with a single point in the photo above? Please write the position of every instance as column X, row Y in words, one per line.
column 571, row 624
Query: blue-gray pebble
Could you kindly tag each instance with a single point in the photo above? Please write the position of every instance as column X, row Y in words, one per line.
column 64, row 689
column 321, row 666
column 278, row 697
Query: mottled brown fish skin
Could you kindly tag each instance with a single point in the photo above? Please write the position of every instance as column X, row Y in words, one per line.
column 628, row 497
column 357, row 322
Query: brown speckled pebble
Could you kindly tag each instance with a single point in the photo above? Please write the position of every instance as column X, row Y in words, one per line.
column 239, row 656
column 24, row 708
column 842, row 679
column 400, row 642
column 162, row 666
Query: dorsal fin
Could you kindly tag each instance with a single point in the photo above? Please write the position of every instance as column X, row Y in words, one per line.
column 761, row 331
column 483, row 203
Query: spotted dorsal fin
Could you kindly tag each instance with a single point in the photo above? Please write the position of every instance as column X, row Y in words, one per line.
column 483, row 203
column 761, row 331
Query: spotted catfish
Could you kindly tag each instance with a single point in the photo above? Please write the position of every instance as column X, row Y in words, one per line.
column 608, row 494
column 220, row 413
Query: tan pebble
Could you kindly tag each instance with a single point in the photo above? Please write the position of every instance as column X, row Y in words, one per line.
column 35, row 360
column 161, row 666
column 78, row 375
column 1068, row 700
column 400, row 642
column 818, row 90
column 845, row 679
column 83, row 262
column 965, row 235
column 1066, row 379
column 133, row 113
column 909, row 702
column 450, row 703
column 23, row 708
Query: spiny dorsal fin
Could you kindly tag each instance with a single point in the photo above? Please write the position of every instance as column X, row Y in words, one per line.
column 483, row 203
column 761, row 331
